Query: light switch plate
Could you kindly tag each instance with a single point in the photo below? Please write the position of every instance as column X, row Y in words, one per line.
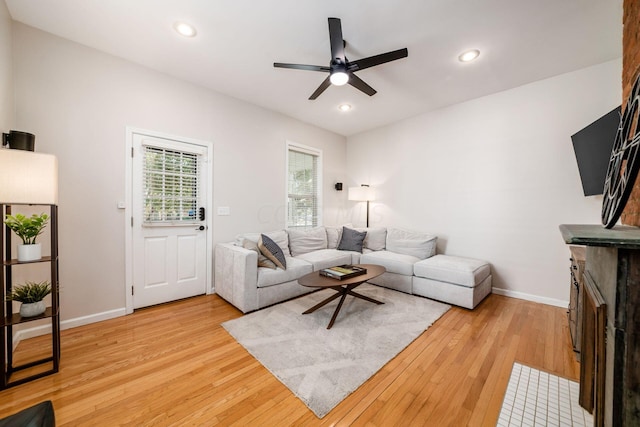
column 224, row 210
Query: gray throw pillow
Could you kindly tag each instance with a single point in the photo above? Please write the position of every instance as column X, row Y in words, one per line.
column 351, row 240
column 271, row 250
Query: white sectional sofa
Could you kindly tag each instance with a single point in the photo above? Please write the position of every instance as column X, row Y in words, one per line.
column 240, row 281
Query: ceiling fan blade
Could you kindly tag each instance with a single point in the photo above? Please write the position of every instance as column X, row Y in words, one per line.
column 371, row 61
column 337, row 43
column 302, row 67
column 359, row 84
column 323, row 86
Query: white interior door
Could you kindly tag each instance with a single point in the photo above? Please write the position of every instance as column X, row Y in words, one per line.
column 169, row 219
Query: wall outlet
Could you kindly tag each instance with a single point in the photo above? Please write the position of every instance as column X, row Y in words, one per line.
column 224, row 210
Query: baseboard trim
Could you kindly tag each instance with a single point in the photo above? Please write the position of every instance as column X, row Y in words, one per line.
column 67, row 324
column 531, row 297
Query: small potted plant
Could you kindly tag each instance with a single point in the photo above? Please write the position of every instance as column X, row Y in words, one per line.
column 27, row 228
column 31, row 296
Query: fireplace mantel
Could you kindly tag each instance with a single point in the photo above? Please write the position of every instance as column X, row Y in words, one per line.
column 620, row 236
column 613, row 266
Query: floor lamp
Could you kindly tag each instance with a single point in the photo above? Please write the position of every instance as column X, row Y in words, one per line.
column 364, row 193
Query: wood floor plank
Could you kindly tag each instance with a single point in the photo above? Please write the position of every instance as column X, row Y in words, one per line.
column 174, row 365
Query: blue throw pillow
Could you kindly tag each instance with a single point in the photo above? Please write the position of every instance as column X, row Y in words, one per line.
column 352, row 240
column 271, row 250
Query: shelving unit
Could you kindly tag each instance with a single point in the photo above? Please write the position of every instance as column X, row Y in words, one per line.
column 8, row 319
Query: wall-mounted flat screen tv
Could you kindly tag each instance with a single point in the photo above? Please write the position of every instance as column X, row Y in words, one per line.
column 592, row 146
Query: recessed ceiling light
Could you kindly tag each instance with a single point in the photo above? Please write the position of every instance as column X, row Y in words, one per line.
column 185, row 29
column 344, row 107
column 469, row 55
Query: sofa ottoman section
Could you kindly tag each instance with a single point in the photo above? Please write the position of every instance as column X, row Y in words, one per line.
column 454, row 280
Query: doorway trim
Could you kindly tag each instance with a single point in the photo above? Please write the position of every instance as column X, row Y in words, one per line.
column 128, row 213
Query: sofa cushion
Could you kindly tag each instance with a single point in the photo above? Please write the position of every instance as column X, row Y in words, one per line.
column 393, row 262
column 417, row 244
column 376, row 239
column 280, row 237
column 351, row 240
column 271, row 250
column 296, row 268
column 263, row 261
column 334, row 234
column 327, row 258
column 451, row 269
column 302, row 241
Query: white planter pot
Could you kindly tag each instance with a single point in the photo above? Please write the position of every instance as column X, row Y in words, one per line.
column 29, row 252
column 32, row 309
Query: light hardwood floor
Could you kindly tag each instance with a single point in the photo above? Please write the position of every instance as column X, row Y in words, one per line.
column 175, row 365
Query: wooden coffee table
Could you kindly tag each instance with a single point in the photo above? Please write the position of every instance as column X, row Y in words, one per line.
column 342, row 287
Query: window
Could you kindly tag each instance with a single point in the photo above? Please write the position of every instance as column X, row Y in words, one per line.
column 170, row 185
column 303, row 186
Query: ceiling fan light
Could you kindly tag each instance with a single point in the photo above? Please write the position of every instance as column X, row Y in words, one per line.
column 344, row 107
column 339, row 78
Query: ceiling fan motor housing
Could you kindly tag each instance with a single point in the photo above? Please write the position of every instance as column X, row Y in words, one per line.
column 338, row 74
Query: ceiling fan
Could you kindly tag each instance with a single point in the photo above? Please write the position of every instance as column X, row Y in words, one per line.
column 341, row 70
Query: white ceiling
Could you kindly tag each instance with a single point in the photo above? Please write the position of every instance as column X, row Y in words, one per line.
column 238, row 40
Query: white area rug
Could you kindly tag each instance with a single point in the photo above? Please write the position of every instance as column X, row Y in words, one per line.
column 322, row 366
column 538, row 398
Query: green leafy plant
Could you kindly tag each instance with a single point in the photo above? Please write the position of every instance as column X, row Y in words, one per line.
column 30, row 292
column 27, row 228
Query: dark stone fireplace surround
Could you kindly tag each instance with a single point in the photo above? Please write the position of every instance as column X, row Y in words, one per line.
column 613, row 268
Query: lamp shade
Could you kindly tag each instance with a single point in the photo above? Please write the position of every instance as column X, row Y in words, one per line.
column 362, row 194
column 28, row 178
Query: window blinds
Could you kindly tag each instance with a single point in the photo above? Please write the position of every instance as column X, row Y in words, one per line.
column 170, row 186
column 303, row 203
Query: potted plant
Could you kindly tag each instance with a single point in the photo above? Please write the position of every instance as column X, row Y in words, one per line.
column 31, row 295
column 27, row 228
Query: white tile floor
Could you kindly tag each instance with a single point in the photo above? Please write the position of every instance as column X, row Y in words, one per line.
column 535, row 398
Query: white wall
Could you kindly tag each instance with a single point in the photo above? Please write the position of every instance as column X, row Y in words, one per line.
column 6, row 70
column 493, row 177
column 79, row 101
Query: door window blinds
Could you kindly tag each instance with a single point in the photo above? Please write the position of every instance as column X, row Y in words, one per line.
column 303, row 176
column 170, row 186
